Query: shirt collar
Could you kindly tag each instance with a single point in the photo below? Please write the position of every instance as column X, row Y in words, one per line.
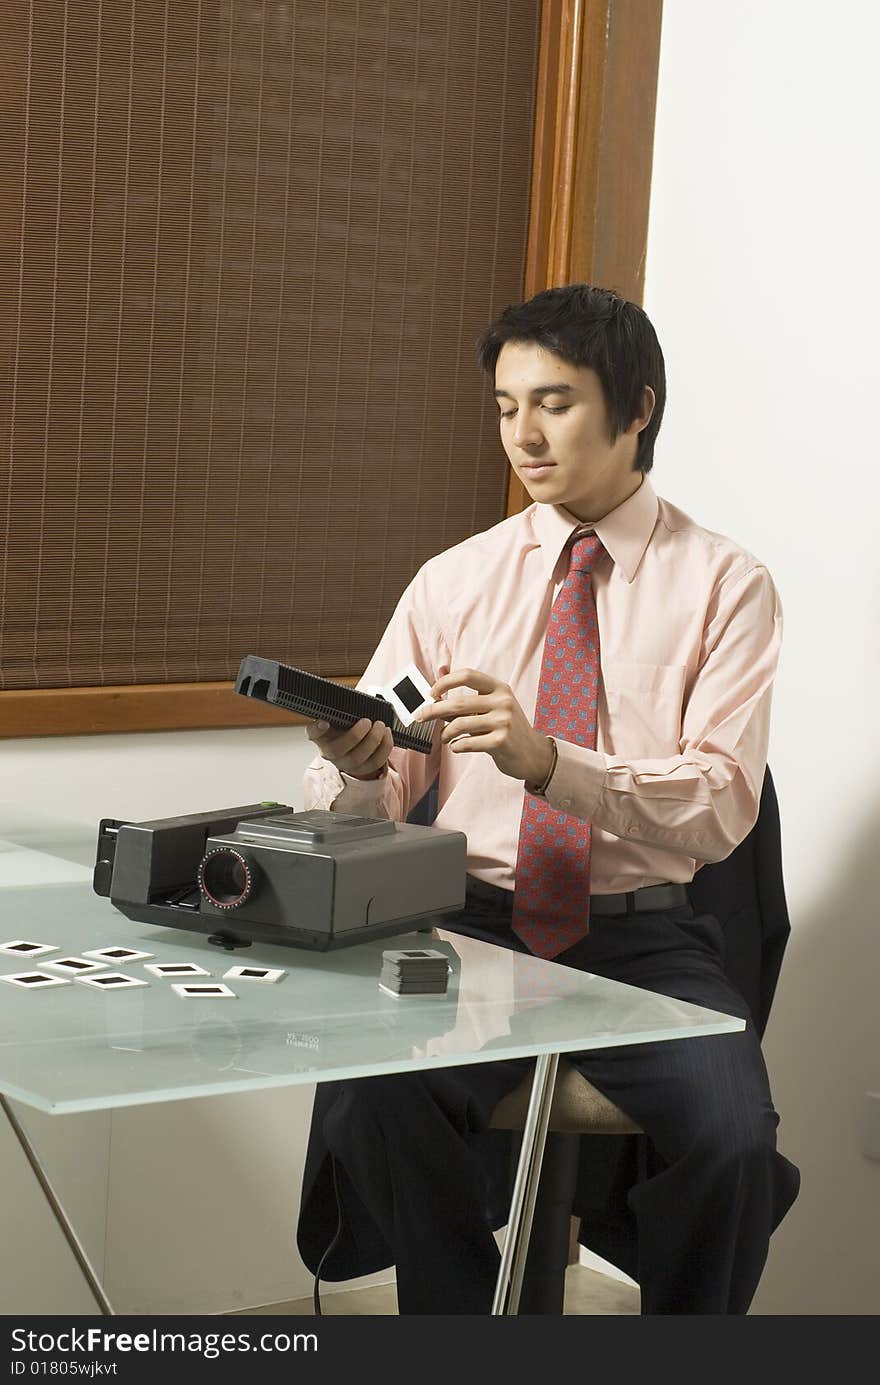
column 625, row 532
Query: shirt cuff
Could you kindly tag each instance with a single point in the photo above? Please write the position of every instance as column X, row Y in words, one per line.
column 578, row 781
column 365, row 797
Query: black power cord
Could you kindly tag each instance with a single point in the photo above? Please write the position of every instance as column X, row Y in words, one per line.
column 333, row 1244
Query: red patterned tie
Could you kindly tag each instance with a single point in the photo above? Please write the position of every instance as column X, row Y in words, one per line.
column 551, row 905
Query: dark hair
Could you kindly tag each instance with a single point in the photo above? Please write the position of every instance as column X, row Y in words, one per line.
column 588, row 326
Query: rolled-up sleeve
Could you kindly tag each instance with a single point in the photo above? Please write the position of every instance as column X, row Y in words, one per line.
column 414, row 635
column 704, row 801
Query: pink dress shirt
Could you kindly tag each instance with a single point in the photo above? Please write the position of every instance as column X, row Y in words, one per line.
column 690, row 627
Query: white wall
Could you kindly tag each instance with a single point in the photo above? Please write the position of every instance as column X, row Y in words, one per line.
column 762, row 282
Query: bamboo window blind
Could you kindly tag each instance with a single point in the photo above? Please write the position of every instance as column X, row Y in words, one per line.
column 246, row 247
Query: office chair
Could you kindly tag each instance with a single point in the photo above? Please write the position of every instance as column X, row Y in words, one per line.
column 748, row 884
column 746, row 889
column 578, row 1109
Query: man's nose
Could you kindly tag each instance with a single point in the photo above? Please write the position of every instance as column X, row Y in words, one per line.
column 527, row 432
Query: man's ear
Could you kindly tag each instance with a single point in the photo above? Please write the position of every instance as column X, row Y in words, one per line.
column 644, row 418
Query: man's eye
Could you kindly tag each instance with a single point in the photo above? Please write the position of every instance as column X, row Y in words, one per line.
column 559, row 409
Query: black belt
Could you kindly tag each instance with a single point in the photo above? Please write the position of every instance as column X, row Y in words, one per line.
column 653, row 897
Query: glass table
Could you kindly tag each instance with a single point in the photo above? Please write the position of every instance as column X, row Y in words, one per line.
column 74, row 1048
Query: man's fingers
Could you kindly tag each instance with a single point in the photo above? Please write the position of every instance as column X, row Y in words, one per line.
column 457, row 705
column 466, row 726
column 359, row 750
column 336, row 744
column 368, row 738
column 468, row 742
column 379, row 756
column 340, row 744
column 464, row 678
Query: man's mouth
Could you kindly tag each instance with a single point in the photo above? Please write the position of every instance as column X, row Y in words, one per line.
column 534, row 470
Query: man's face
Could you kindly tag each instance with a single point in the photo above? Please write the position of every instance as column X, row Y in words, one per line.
column 554, row 427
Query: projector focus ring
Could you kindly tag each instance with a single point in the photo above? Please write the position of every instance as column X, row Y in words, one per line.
column 226, row 878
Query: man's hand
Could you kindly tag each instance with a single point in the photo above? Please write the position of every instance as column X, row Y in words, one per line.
column 361, row 751
column 489, row 719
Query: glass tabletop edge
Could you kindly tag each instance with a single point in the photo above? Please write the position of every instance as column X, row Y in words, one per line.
column 251, row 1083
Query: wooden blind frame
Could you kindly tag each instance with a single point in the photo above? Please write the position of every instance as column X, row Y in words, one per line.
column 590, row 190
column 593, row 150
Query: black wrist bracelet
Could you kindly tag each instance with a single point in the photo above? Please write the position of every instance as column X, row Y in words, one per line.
column 540, row 792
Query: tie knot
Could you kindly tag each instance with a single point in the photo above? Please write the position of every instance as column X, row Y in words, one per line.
column 584, row 552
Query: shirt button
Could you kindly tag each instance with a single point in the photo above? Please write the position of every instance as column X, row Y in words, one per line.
column 632, row 830
column 565, row 802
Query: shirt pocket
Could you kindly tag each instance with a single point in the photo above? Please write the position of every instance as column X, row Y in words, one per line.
column 644, row 705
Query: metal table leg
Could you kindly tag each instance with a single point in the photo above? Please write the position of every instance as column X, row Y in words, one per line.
column 525, row 1188
column 70, row 1235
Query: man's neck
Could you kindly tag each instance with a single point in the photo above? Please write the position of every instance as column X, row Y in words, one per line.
column 599, row 511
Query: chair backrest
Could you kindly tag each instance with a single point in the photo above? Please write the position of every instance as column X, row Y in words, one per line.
column 746, row 893
column 425, row 811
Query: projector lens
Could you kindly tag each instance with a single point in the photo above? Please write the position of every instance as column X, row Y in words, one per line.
column 226, row 878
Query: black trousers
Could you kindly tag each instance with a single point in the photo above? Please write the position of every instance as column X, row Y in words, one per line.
column 409, row 1153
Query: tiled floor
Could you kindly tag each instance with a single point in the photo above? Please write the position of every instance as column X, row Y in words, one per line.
column 585, row 1292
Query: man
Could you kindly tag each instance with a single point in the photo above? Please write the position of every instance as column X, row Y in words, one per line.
column 603, row 669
